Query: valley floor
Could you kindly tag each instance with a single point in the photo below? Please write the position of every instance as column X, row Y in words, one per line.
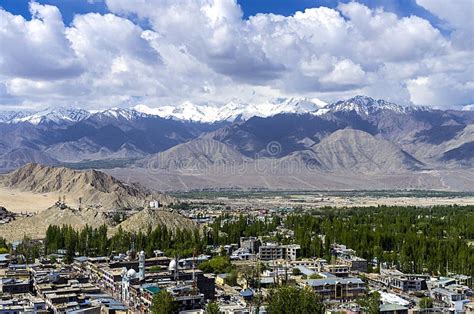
column 266, row 179
column 21, row 202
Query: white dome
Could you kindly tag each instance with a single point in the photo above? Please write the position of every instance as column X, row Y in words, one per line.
column 172, row 265
column 131, row 273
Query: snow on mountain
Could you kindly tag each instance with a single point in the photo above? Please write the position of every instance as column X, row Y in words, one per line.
column 233, row 111
column 118, row 113
column 6, row 116
column 57, row 115
column 364, row 105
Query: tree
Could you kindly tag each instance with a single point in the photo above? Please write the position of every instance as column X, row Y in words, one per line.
column 163, row 303
column 212, row 308
column 315, row 276
column 426, row 303
column 216, row 265
column 288, row 299
column 231, row 279
column 371, row 303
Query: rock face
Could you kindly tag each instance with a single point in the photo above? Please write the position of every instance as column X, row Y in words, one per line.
column 197, row 154
column 358, row 151
column 89, row 188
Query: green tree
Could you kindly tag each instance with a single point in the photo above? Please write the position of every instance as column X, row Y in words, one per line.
column 426, row 303
column 231, row 278
column 371, row 303
column 288, row 299
column 212, row 308
column 163, row 303
column 216, row 265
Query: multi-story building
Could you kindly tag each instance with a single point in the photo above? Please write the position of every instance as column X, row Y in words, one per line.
column 450, row 297
column 404, row 282
column 340, row 289
column 337, row 270
column 270, row 252
column 14, row 286
column 252, row 244
column 355, row 263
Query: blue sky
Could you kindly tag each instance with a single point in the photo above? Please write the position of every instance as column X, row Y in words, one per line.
column 69, row 8
column 165, row 52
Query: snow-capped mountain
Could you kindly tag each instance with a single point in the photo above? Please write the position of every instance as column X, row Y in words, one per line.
column 230, row 112
column 6, row 116
column 117, row 114
column 364, row 105
column 233, row 111
column 56, row 115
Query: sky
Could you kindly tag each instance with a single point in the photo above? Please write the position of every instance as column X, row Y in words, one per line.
column 98, row 54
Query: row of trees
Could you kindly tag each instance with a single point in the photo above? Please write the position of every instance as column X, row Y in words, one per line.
column 95, row 241
column 183, row 242
column 415, row 239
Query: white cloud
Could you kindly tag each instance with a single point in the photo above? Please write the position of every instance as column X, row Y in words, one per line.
column 459, row 15
column 36, row 49
column 204, row 51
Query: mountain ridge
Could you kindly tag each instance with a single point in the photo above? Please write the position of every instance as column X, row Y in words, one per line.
column 232, row 111
column 89, row 188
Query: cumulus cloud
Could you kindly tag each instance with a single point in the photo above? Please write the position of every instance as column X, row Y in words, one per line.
column 205, row 51
column 36, row 49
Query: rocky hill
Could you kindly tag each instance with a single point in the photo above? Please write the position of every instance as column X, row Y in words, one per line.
column 197, row 154
column 82, row 189
column 150, row 218
column 358, row 151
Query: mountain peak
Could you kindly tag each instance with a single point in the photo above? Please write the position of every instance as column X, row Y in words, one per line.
column 52, row 115
column 364, row 105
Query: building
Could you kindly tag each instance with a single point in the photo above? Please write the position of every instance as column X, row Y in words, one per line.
column 22, row 303
column 154, row 204
column 14, row 286
column 271, row 252
column 338, row 270
column 452, row 298
column 393, row 309
column 341, row 289
column 252, row 244
column 404, row 282
column 355, row 263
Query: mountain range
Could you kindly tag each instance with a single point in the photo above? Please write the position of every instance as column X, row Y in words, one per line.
column 356, row 136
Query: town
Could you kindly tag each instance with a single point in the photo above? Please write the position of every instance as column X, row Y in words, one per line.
column 250, row 260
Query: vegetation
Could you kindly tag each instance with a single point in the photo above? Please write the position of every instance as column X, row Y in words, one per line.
column 289, row 299
column 216, row 265
column 94, row 242
column 426, row 303
column 371, row 303
column 30, row 249
column 163, row 303
column 416, row 240
column 212, row 308
column 4, row 249
column 225, row 230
